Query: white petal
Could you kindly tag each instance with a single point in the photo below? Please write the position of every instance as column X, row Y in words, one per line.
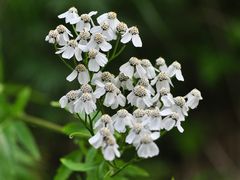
column 137, row 42
column 179, row 75
column 83, row 77
column 108, row 153
column 68, row 53
column 102, row 18
column 126, row 38
column 63, row 101
column 93, row 65
column 72, row 76
column 96, row 140
column 105, row 46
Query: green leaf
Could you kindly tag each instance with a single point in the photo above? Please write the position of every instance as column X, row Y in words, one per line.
column 91, row 155
column 55, row 104
column 77, row 166
column 26, row 139
column 21, row 101
column 64, row 172
column 75, row 127
column 133, row 170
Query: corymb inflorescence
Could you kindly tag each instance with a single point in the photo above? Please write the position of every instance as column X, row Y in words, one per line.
column 131, row 108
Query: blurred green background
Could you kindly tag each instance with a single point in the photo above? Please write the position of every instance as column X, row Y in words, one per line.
column 203, row 35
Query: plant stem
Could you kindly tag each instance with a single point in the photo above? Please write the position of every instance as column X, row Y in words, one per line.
column 90, row 123
column 85, row 125
column 64, row 62
column 124, row 166
column 41, row 123
column 115, row 48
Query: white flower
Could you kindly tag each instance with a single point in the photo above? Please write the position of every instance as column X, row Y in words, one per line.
column 71, row 49
column 81, row 72
column 129, row 68
column 63, row 35
column 134, row 135
column 147, row 148
column 161, row 64
column 110, row 149
column 140, row 116
column 96, row 59
column 150, row 71
column 102, row 77
column 120, row 99
column 140, row 97
column 171, row 121
column 98, row 41
column 166, row 97
column 71, row 16
column 162, row 80
column 179, row 107
column 105, row 30
column 132, row 34
column 98, row 139
column 85, row 104
column 52, row 36
column 145, row 83
column 83, row 37
column 193, row 98
column 124, row 81
column 86, row 88
column 155, row 119
column 67, row 101
column 110, row 18
column 104, row 121
column 175, row 70
column 121, row 28
column 85, row 21
column 122, row 119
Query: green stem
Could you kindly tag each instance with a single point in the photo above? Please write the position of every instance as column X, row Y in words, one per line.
column 64, row 62
column 41, row 123
column 124, row 166
column 85, row 125
column 115, row 47
column 74, row 29
column 90, row 123
column 118, row 53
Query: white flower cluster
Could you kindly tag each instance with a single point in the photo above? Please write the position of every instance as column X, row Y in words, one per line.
column 139, row 86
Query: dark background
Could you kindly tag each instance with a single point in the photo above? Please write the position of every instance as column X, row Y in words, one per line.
column 203, row 35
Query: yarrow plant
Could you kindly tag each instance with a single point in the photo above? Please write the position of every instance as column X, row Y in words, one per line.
column 130, row 109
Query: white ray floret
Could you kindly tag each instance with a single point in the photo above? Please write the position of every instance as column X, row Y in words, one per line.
column 110, row 18
column 67, row 101
column 63, row 35
column 193, row 98
column 140, row 97
column 122, row 119
column 105, row 30
column 132, row 34
column 71, row 16
column 85, row 21
column 175, row 70
column 81, row 73
column 147, row 148
column 96, row 60
column 71, row 49
column 133, row 66
column 85, row 104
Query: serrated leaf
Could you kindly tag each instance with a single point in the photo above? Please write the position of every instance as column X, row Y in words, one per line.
column 77, row 166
